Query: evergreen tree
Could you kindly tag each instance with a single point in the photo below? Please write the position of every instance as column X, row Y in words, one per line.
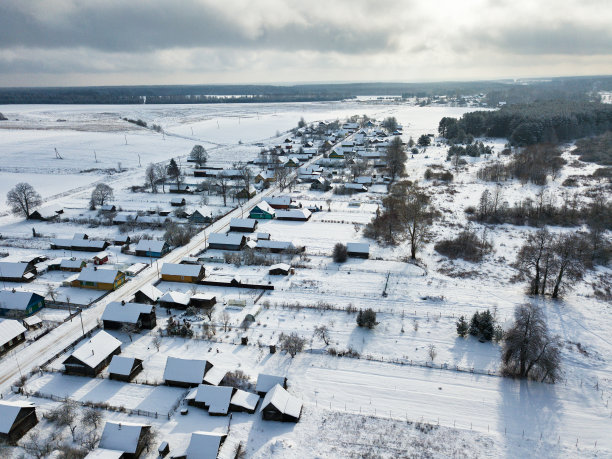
column 462, row 327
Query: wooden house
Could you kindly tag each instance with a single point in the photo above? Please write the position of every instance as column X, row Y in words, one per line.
column 246, row 193
column 279, row 269
column 178, row 202
column 108, row 208
column 100, row 279
column 243, row 225
column 12, row 333
column 277, row 246
column 16, row 418
column 127, row 437
column 32, row 322
column 16, row 272
column 172, row 272
column 122, row 240
column 266, row 382
column 202, row 445
column 100, row 258
column 243, row 401
column 226, row 241
column 79, row 242
column 280, row 405
column 151, row 248
column 216, row 399
column 124, row 368
column 358, row 249
column 14, row 303
column 176, row 300
column 182, row 188
column 116, row 314
column 301, row 215
column 265, row 177
column 203, row 300
column 279, row 202
column 93, row 355
column 320, row 184
column 262, row 211
column 185, row 372
column 149, row 294
column 72, row 265
column 199, row 217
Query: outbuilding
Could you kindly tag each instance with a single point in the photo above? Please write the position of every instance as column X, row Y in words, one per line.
column 72, row 265
column 202, row 445
column 301, row 215
column 243, row 225
column 280, row 269
column 148, row 294
column 93, row 355
column 129, row 437
column 266, row 382
column 358, row 249
column 203, row 300
column 214, row 398
column 244, row 401
column 16, row 272
column 124, row 368
column 177, row 300
column 178, row 202
column 280, row 405
column 185, row 372
column 12, row 333
column 16, row 418
column 279, row 202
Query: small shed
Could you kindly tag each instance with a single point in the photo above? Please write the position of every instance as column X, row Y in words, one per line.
column 122, row 240
column 214, row 398
column 108, row 208
column 103, row 453
column 280, row 269
column 358, row 249
column 128, row 437
column 185, row 372
column 12, row 333
column 203, row 300
column 100, row 258
column 124, row 368
column 140, row 315
column 266, row 382
column 16, row 418
column 214, row 376
column 32, row 322
column 244, row 401
column 276, row 246
column 176, row 300
column 173, row 272
column 93, row 355
column 243, row 225
column 280, row 405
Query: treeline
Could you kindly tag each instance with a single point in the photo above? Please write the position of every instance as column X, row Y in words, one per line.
column 595, row 149
column 526, row 124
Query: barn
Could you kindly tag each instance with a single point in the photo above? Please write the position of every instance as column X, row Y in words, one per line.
column 358, row 249
column 16, row 272
column 93, row 355
column 244, row 401
column 16, row 418
column 124, row 368
column 280, row 405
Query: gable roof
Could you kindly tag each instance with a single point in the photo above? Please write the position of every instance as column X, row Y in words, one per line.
column 225, row 238
column 266, row 382
column 278, row 200
column 93, row 351
column 15, row 299
column 151, row 292
column 245, row 399
column 214, row 376
column 150, row 245
column 283, row 401
column 216, row 398
column 243, row 223
column 264, row 207
column 105, row 276
column 173, row 269
column 185, row 370
column 126, row 313
column 10, row 329
column 70, row 263
column 204, row 445
column 283, row 266
column 358, row 247
column 174, row 297
column 9, row 412
column 121, row 365
column 103, row 453
column 12, row 269
column 121, row 436
column 293, row 213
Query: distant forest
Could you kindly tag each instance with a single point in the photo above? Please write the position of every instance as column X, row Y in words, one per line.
column 548, row 121
column 509, row 91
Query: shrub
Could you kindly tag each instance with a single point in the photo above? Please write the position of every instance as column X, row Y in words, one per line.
column 482, row 325
column 292, row 343
column 367, row 318
column 340, row 254
column 467, row 246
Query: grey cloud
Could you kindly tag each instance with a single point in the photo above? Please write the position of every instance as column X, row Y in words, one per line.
column 141, row 26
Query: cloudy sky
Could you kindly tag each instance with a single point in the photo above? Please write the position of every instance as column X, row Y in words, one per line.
column 115, row 42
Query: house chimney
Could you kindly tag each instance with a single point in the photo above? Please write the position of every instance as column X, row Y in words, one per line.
column 119, row 426
column 95, row 268
column 122, row 302
column 14, row 290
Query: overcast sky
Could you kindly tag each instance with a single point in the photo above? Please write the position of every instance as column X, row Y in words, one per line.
column 122, row 42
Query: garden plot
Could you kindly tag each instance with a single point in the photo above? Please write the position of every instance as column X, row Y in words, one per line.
column 160, row 399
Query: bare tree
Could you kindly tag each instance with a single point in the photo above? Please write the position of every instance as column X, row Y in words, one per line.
column 292, row 343
column 149, row 437
column 151, row 177
column 157, row 342
column 198, row 155
column 431, row 352
column 225, row 320
column 100, row 195
column 92, row 418
column 51, row 292
column 37, row 446
column 416, row 215
column 395, row 158
column 281, row 175
column 129, row 329
column 65, row 416
column 23, row 199
column 322, row 332
column 161, row 171
column 223, row 184
column 245, row 174
column 529, row 351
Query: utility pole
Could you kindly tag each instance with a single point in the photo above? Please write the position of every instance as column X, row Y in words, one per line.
column 81, row 316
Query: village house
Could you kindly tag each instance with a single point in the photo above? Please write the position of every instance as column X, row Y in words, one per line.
column 320, row 184
column 198, row 216
column 119, row 313
column 301, row 215
column 179, row 188
column 151, row 248
column 172, row 272
column 124, row 368
column 243, row 401
column 127, row 437
column 266, row 382
column 243, row 225
column 100, row 258
column 216, row 399
column 108, row 208
column 202, row 445
column 100, row 279
column 93, row 355
column 265, row 177
column 262, row 211
column 203, row 300
column 226, row 241
column 185, row 372
column 279, row 202
column 79, row 242
column 245, row 193
column 280, row 405
column 174, row 300
column 32, row 322
column 16, row 418
column 276, row 246
column 279, row 269
column 74, row 265
column 148, row 294
column 18, row 304
column 358, row 249
column 178, row 202
column 12, row 333
column 16, row 272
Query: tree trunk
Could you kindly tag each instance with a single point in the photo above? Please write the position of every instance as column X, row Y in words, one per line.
column 555, row 293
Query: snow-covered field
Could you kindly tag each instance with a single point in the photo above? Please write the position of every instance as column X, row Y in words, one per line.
column 351, row 405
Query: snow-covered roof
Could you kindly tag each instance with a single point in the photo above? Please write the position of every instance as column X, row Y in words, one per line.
column 106, row 276
column 265, row 207
column 10, row 329
column 15, row 299
column 150, row 245
column 103, row 453
column 177, row 200
column 245, row 399
column 121, row 365
column 204, row 296
column 214, row 376
column 175, row 297
column 70, row 263
column 32, row 320
column 204, row 445
column 278, row 245
column 185, row 370
column 173, row 269
column 278, row 200
column 216, row 398
column 243, row 223
column 283, row 266
column 150, row 291
column 101, row 255
column 266, row 382
column 96, row 349
column 355, row 186
column 126, row 313
column 358, row 247
column 10, row 269
column 9, row 412
column 283, row 401
column 225, row 238
column 293, row 213
column 121, row 436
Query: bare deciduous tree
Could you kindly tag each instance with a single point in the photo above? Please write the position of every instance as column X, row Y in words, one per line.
column 37, row 446
column 92, row 418
column 322, row 332
column 161, row 171
column 198, row 155
column 100, row 195
column 395, row 158
column 292, row 343
column 23, row 199
column 431, row 352
column 157, row 342
column 151, row 177
column 529, row 351
column 223, row 185
column 225, row 320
